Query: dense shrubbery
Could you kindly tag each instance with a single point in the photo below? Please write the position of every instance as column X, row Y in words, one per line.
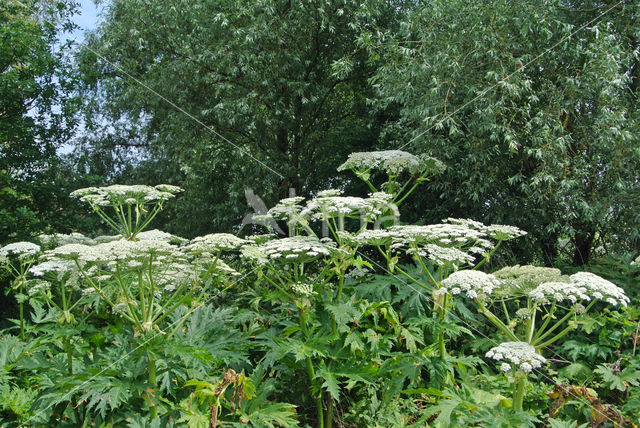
column 375, row 324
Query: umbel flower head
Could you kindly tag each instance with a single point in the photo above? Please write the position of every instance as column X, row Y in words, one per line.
column 520, row 280
column 119, row 194
column 499, row 232
column 295, row 249
column 519, row 354
column 392, row 161
column 600, row 289
column 558, row 292
column 474, row 284
column 20, row 250
column 216, row 242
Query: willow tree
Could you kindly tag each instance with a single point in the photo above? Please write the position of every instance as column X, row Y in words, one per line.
column 221, row 96
column 532, row 105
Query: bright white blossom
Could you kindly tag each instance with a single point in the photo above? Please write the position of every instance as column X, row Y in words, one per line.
column 520, row 280
column 287, row 209
column 158, row 235
column 216, row 242
column 392, row 161
column 600, row 289
column 22, row 250
column 119, row 194
column 295, row 249
column 499, row 232
column 52, row 266
column 303, row 289
column 474, row 284
column 520, row 354
column 443, row 256
column 558, row 292
column 58, row 239
column 444, row 234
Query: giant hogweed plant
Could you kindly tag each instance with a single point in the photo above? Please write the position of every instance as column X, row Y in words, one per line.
column 533, row 307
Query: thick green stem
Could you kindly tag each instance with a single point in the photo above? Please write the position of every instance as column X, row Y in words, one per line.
column 483, row 261
column 153, row 405
column 537, row 340
column 310, row 371
column 329, row 416
column 555, row 338
column 22, row 320
column 518, row 397
column 69, row 349
column 495, row 321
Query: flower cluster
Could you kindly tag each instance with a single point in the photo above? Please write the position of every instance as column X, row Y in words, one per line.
column 58, row 239
column 286, row 209
column 216, row 242
column 295, row 249
column 442, row 234
column 559, row 292
column 21, row 250
column 473, row 283
column 600, row 289
column 443, row 256
column 119, row 194
column 519, row 354
column 303, row 289
column 121, row 249
column 336, row 206
column 499, row 232
column 520, row 280
column 393, row 162
column 158, row 235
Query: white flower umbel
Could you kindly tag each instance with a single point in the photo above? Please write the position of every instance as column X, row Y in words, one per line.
column 216, row 242
column 392, row 161
column 56, row 267
column 378, row 237
column 111, row 251
column 58, row 239
column 558, row 292
column 474, row 284
column 443, row 234
column 443, row 256
column 158, row 235
column 119, row 194
column 321, row 208
column 520, row 354
column 134, row 207
column 21, row 250
column 303, row 289
column 520, row 280
column 600, row 289
column 287, row 209
column 295, row 249
column 498, row 232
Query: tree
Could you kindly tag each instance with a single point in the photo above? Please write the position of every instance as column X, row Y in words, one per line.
column 36, row 114
column 221, row 96
column 532, row 105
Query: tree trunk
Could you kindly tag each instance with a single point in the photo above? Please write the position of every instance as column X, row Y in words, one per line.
column 583, row 242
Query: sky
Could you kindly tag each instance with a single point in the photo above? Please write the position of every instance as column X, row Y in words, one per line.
column 86, row 19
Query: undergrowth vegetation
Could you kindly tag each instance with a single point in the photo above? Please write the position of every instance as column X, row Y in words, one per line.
column 353, row 319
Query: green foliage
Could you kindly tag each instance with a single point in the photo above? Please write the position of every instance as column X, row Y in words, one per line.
column 36, row 113
column 532, row 106
column 259, row 103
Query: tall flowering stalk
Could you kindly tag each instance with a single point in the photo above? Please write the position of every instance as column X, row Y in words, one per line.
column 438, row 250
column 404, row 171
column 288, row 265
column 132, row 207
column 16, row 259
column 532, row 305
